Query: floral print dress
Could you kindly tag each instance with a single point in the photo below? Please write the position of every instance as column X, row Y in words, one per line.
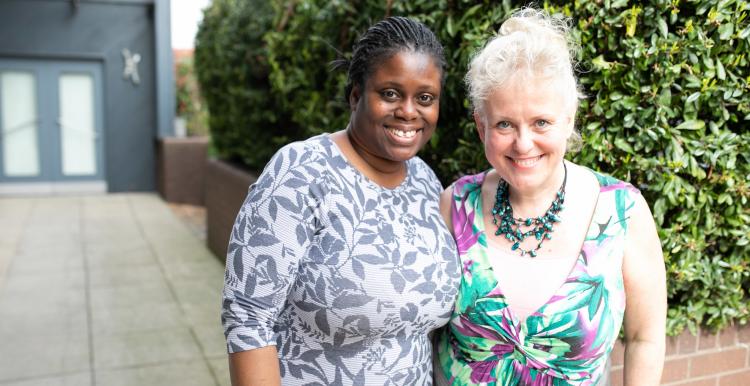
column 346, row 278
column 564, row 342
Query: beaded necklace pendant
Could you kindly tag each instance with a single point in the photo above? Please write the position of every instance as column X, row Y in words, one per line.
column 541, row 227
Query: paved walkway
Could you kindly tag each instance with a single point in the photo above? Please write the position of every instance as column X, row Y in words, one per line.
column 106, row 290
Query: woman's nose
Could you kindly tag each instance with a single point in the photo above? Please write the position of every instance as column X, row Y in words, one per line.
column 524, row 141
column 407, row 110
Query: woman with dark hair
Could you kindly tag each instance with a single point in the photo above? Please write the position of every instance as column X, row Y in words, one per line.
column 339, row 264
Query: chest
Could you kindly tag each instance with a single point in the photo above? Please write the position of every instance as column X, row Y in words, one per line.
column 565, row 237
column 383, row 257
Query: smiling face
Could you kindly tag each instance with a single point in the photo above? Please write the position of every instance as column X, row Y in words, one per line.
column 524, row 127
column 396, row 111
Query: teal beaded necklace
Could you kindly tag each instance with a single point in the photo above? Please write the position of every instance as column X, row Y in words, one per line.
column 540, row 227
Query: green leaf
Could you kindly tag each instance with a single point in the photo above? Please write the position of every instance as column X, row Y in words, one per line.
column 623, row 145
column 662, row 24
column 449, row 26
column 693, row 97
column 691, row 125
column 720, row 73
column 725, row 31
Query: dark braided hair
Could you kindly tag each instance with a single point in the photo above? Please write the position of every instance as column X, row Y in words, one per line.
column 385, row 39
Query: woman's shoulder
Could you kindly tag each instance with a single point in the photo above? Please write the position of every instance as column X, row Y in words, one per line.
column 469, row 183
column 608, row 183
column 311, row 153
column 420, row 170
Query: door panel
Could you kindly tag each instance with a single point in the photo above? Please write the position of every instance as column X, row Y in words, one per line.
column 52, row 122
column 20, row 145
column 78, row 135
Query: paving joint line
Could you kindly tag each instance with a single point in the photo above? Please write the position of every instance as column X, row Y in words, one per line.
column 87, row 286
column 172, row 291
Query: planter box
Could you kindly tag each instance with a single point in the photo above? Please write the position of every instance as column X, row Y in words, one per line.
column 226, row 189
column 182, row 169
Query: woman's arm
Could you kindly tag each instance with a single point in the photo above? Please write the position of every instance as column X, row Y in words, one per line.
column 270, row 237
column 646, row 299
column 445, row 207
column 259, row 367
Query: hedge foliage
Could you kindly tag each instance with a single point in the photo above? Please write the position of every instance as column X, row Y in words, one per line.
column 668, row 100
column 232, row 69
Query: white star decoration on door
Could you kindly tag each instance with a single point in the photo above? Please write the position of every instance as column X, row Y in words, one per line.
column 131, row 66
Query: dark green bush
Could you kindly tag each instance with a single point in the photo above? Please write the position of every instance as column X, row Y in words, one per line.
column 667, row 108
column 668, row 99
column 231, row 62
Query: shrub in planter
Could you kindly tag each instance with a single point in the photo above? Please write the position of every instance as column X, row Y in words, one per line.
column 232, row 68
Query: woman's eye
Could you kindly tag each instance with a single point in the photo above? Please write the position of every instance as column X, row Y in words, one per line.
column 503, row 125
column 542, row 123
column 426, row 99
column 389, row 94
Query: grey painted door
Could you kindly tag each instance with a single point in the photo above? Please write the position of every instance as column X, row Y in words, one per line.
column 51, row 123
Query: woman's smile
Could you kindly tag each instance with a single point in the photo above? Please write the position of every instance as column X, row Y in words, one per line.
column 526, row 162
column 402, row 135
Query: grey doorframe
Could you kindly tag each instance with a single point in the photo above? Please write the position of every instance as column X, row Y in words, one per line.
column 49, row 137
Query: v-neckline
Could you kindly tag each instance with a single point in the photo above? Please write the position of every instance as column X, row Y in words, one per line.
column 496, row 290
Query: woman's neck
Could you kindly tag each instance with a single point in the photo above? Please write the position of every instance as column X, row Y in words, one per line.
column 386, row 173
column 535, row 202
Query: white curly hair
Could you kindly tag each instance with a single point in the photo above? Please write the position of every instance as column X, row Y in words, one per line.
column 531, row 43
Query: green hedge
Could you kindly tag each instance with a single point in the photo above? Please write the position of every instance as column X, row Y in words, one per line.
column 668, row 99
column 232, row 68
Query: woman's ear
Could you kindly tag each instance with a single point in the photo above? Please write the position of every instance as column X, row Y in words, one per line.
column 354, row 96
column 479, row 121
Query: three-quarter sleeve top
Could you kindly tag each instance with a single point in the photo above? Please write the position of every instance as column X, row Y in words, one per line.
column 345, row 277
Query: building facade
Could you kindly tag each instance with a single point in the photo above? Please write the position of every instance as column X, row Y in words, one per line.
column 86, row 91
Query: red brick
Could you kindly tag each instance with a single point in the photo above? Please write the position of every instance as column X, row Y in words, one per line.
column 672, row 345
column 674, row 370
column 615, row 377
column 728, row 337
column 718, row 362
column 688, row 342
column 707, row 340
column 617, row 356
column 743, row 333
column 737, row 379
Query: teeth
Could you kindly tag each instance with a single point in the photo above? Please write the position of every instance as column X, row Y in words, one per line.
column 403, row 134
column 526, row 162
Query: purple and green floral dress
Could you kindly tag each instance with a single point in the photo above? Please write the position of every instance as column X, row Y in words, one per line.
column 564, row 342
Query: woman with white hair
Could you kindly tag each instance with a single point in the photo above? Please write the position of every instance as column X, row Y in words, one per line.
column 555, row 256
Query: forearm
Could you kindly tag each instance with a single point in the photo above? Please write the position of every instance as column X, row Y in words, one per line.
column 258, row 367
column 644, row 361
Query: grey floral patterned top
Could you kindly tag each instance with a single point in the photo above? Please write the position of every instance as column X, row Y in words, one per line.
column 345, row 277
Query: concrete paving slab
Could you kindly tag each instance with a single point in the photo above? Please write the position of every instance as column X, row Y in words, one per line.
column 206, row 267
column 201, row 313
column 141, row 317
column 198, row 290
column 127, row 275
column 46, row 259
column 220, row 368
column 211, row 339
column 131, row 295
column 118, row 255
column 42, row 303
column 40, row 355
column 184, row 373
column 106, row 290
column 77, row 379
column 145, row 348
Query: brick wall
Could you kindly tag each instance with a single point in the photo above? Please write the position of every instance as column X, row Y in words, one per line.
column 707, row 359
column 226, row 189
